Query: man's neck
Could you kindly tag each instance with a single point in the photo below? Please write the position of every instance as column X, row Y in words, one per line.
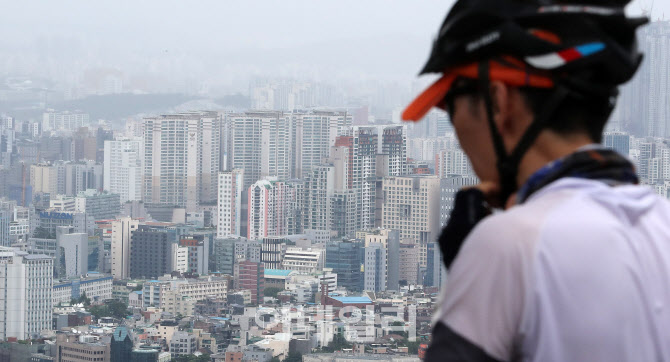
column 548, row 147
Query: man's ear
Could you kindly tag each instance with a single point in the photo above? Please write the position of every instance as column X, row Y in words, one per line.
column 506, row 102
column 500, row 103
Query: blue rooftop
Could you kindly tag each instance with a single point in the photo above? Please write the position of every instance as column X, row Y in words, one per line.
column 220, row 318
column 277, row 272
column 353, row 300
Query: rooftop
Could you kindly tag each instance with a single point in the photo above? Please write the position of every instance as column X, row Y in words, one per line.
column 277, row 272
column 353, row 300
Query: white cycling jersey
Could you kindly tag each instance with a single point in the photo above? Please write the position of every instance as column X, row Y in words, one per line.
column 579, row 272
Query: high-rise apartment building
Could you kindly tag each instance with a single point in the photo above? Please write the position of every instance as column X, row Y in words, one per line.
column 644, row 105
column 122, row 231
column 52, row 120
column 362, row 148
column 181, row 159
column 412, row 205
column 269, row 208
column 123, row 168
column 394, row 146
column 26, row 294
column 66, row 178
column 229, row 203
column 313, row 133
column 260, row 144
column 452, row 162
column 319, row 191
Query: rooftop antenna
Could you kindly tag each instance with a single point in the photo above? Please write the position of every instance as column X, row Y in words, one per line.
column 647, row 10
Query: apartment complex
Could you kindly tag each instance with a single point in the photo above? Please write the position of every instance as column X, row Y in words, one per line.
column 181, row 153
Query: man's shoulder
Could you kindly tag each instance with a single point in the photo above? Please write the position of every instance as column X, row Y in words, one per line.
column 557, row 207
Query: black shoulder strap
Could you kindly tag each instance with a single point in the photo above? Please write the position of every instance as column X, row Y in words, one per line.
column 447, row 346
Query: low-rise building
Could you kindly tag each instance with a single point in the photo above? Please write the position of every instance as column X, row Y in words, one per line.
column 81, row 348
column 182, row 343
column 97, row 287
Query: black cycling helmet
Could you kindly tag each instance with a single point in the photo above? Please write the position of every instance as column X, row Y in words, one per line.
column 580, row 50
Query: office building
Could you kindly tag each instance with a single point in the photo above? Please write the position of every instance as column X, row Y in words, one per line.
column 303, row 260
column 49, row 220
column 345, row 259
column 122, row 230
column 408, row 265
column 618, row 141
column 81, row 348
column 272, row 252
column 412, row 205
column 97, row 287
column 74, row 252
column 250, row 276
column 374, row 268
column 390, row 240
column 121, row 346
column 150, row 252
column 98, row 205
column 197, row 253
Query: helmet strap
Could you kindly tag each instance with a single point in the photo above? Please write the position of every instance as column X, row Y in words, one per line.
column 508, row 164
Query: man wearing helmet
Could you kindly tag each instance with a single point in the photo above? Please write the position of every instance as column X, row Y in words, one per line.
column 577, row 266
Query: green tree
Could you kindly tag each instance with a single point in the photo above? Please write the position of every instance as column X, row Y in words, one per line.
column 337, row 344
column 192, row 358
column 412, row 347
column 272, row 292
column 84, row 299
column 111, row 308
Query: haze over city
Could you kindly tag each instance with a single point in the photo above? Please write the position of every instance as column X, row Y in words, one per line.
column 232, row 180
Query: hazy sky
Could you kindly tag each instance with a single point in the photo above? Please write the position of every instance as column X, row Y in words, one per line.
column 347, row 36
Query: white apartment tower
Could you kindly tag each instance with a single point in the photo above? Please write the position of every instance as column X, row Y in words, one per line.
column 25, row 294
column 313, row 134
column 270, row 203
column 319, row 191
column 122, row 230
column 123, row 168
column 72, row 121
column 452, row 162
column 229, row 203
column 260, row 144
column 181, row 158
